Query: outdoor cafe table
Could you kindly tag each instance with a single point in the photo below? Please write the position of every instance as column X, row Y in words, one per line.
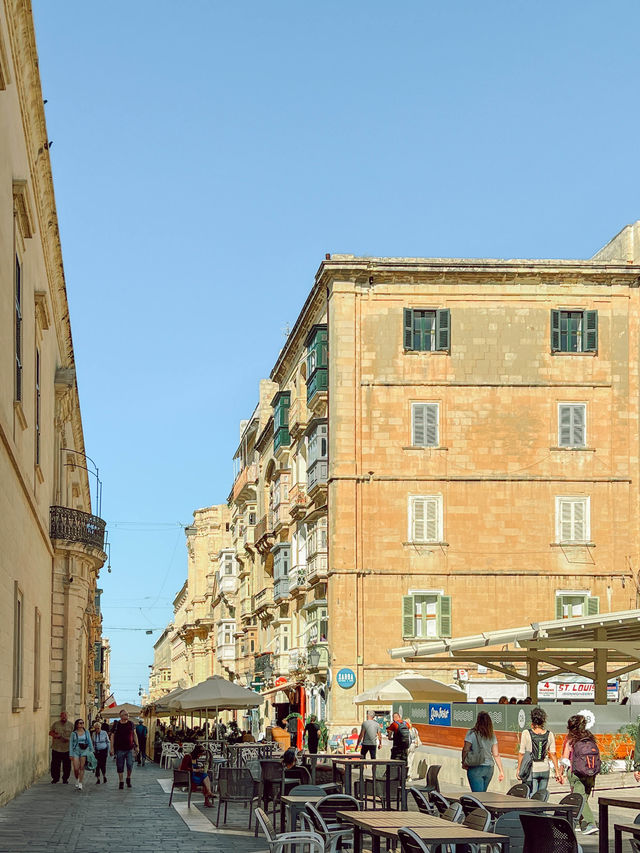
column 294, row 805
column 498, row 804
column 311, row 759
column 432, row 830
column 239, row 753
column 387, row 763
column 619, row 801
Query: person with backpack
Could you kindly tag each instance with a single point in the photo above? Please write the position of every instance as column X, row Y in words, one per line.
column 479, row 753
column 581, row 758
column 537, row 746
column 398, row 732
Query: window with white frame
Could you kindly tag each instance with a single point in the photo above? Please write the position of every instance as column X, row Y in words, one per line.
column 576, row 603
column 425, row 424
column 572, row 424
column 573, row 519
column 425, row 518
column 426, row 614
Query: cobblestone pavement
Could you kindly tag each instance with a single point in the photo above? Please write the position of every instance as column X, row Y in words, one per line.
column 50, row 818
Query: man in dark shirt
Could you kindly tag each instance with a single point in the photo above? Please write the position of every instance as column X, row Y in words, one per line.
column 312, row 731
column 124, row 741
column 141, row 731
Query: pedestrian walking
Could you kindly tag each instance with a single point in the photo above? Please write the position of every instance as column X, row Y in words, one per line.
column 398, row 733
column 60, row 732
column 81, row 751
column 541, row 744
column 479, row 753
column 141, row 731
column 370, row 737
column 413, row 748
column 124, row 741
column 312, row 731
column 101, row 750
column 581, row 758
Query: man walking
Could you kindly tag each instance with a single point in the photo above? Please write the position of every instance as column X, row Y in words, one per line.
column 124, row 741
column 60, row 732
column 398, row 733
column 141, row 731
column 370, row 737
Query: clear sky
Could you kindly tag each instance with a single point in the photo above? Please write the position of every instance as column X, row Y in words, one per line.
column 206, row 155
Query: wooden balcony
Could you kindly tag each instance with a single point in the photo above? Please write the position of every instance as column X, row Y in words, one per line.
column 242, row 488
column 298, row 501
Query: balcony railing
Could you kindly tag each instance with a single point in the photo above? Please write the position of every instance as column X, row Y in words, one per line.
column 297, row 578
column 317, row 474
column 317, row 566
column 77, row 526
column 264, row 527
column 297, row 500
column 247, row 477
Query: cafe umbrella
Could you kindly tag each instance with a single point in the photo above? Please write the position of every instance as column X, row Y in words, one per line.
column 216, row 693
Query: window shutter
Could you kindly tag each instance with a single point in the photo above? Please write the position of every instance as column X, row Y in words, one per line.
column 408, row 328
column 566, row 527
column 418, row 526
column 558, row 607
column 431, row 527
column 555, row 331
column 431, row 437
column 443, row 329
column 591, row 331
column 565, row 420
column 419, row 438
column 444, row 616
column 579, row 527
column 408, row 616
column 593, row 605
column 577, row 425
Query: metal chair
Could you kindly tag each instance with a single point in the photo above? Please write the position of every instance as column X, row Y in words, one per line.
column 542, row 795
column 469, row 804
column 236, row 785
column 278, row 842
column 181, row 779
column 576, row 802
column 410, row 842
column 422, row 803
column 271, row 783
column 431, row 782
column 509, row 824
column 328, row 807
column 332, row 837
column 477, row 819
column 519, row 790
column 440, row 802
column 544, row 834
column 376, row 787
column 454, row 813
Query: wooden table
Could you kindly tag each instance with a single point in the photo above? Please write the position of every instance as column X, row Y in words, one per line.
column 498, row 804
column 294, row 805
column 618, row 801
column 388, row 763
column 432, row 830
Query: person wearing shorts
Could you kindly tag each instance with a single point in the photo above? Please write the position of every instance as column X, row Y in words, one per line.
column 124, row 741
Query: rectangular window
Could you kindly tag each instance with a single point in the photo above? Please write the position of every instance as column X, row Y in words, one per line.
column 36, row 659
column 18, row 330
column 37, row 406
column 426, row 615
column 570, row 605
column 18, row 641
column 573, row 520
column 427, row 330
column 425, row 424
column 425, row 518
column 572, row 421
column 574, row 331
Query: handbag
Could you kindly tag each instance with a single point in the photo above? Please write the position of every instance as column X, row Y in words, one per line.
column 90, row 760
column 526, row 766
column 475, row 757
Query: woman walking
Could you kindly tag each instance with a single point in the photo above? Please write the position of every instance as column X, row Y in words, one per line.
column 579, row 742
column 101, row 748
column 80, row 747
column 479, row 753
column 542, row 745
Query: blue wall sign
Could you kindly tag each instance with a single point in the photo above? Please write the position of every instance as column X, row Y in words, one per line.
column 346, row 678
column 439, row 714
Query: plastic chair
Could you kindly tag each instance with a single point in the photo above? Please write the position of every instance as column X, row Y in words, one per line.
column 236, row 785
column 519, row 790
column 169, row 752
column 544, row 834
column 410, row 842
column 181, row 779
column 440, row 802
column 509, row 824
column 278, row 842
column 431, row 782
column 454, row 813
column 328, row 807
column 422, row 803
column 477, row 819
column 331, row 837
column 542, row 795
column 576, row 801
column 469, row 804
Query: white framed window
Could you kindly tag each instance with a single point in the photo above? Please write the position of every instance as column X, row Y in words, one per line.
column 572, row 424
column 571, row 604
column 573, row 522
column 425, row 518
column 425, row 422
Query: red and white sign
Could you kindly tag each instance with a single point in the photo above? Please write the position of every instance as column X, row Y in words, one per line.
column 573, row 690
column 280, row 681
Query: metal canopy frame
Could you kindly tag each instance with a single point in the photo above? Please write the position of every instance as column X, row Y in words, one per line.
column 596, row 647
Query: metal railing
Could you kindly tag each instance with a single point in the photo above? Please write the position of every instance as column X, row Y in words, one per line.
column 76, row 526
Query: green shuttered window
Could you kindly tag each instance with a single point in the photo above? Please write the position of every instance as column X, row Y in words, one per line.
column 574, row 331
column 426, row 616
column 427, row 330
column 571, row 605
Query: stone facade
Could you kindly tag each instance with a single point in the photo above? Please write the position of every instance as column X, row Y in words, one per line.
column 50, row 543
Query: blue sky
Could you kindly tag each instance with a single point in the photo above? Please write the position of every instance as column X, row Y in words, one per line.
column 206, row 155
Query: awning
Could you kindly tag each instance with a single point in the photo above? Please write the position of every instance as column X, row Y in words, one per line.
column 289, row 685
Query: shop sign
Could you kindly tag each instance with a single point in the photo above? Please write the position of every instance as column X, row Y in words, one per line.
column 439, row 714
column 280, row 681
column 346, row 678
column 574, row 690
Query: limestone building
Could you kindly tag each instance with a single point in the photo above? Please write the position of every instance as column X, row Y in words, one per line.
column 443, row 446
column 51, row 545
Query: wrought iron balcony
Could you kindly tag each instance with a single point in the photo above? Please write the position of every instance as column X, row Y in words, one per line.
column 77, row 526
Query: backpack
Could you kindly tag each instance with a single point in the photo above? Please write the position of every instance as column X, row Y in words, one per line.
column 475, row 756
column 539, row 745
column 402, row 736
column 586, row 757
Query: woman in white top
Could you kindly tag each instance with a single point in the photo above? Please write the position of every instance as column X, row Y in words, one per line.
column 542, row 746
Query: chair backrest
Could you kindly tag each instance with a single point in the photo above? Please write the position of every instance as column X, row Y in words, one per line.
column 454, row 813
column 236, row 783
column 478, row 819
column 576, row 801
column 509, row 824
column 519, row 790
column 422, row 769
column 265, row 825
column 469, row 803
column 410, row 842
column 316, row 820
column 328, row 806
column 544, row 834
column 307, row 791
column 440, row 802
column 299, row 773
column 253, row 766
column 542, row 795
column 181, row 777
column 422, row 803
column 188, row 747
column 272, row 771
column 432, row 776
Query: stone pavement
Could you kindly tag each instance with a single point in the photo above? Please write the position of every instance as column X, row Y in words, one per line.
column 50, row 818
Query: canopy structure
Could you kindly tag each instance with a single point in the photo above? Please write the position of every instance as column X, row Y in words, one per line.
column 215, row 692
column 126, row 706
column 410, row 686
column 596, row 647
column 163, row 705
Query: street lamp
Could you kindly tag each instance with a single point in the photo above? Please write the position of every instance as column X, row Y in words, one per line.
column 313, row 657
column 267, row 670
column 249, row 678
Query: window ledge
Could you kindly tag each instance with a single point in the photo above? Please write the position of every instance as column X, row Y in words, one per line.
column 425, row 447
column 17, row 408
column 573, row 544
column 573, row 449
column 430, row 352
column 592, row 353
column 17, row 705
column 427, row 544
